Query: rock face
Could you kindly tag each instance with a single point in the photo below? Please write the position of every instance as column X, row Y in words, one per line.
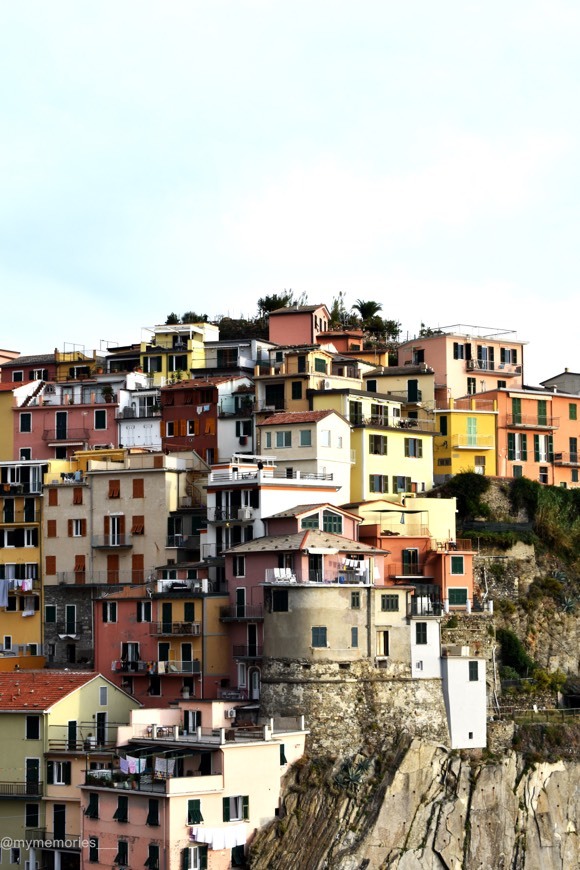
column 426, row 809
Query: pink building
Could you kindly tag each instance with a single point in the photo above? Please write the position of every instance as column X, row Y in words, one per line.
column 298, row 324
column 310, row 544
column 187, row 790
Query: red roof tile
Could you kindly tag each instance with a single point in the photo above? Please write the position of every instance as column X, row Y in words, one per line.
column 38, row 690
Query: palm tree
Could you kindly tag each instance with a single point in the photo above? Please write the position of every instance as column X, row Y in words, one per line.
column 367, row 310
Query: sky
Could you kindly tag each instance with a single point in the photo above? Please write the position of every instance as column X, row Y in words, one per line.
column 196, row 156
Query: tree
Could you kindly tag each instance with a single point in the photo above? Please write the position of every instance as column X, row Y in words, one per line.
column 192, row 317
column 267, row 304
column 367, row 310
column 172, row 319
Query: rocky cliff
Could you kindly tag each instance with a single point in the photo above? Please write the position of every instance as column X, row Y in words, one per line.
column 425, row 808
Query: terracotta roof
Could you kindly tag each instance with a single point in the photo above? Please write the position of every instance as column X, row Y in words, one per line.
column 39, row 690
column 8, row 388
column 29, row 360
column 300, row 509
column 292, row 309
column 302, row 541
column 287, row 417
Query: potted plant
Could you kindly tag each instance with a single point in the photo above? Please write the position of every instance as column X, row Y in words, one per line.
column 107, row 393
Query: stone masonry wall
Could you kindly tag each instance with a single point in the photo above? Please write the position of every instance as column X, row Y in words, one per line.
column 361, row 706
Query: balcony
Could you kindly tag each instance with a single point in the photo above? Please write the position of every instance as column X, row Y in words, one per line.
column 20, row 489
column 244, row 651
column 179, row 628
column 230, row 515
column 21, row 790
column 531, row 421
column 172, row 667
column 69, row 629
column 565, row 459
column 349, row 574
column 508, row 370
column 111, row 542
column 61, row 436
column 98, row 578
column 406, row 571
column 418, row 425
column 183, row 542
column 472, row 442
column 241, row 612
column 265, row 474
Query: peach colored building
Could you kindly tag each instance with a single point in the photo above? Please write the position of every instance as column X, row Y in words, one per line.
column 200, row 788
column 467, row 359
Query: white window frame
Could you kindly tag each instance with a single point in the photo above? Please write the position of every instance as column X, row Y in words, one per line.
column 58, row 773
column 305, row 441
column 242, row 675
column 111, row 610
column 103, row 696
column 325, row 438
column 239, row 562
column 283, row 439
column 77, row 528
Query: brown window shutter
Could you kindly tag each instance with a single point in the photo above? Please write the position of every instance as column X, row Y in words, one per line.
column 50, row 565
column 121, row 525
column 138, row 487
column 114, row 488
column 158, row 462
column 183, row 427
column 113, row 569
column 70, row 528
column 77, row 495
column 53, row 497
column 162, row 428
column 51, row 529
column 79, row 564
column 138, row 525
column 107, row 525
column 83, row 528
column 137, row 567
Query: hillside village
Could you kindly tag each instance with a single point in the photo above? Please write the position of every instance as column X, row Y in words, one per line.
column 218, row 555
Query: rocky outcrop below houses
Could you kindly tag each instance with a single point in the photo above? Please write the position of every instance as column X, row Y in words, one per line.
column 421, row 807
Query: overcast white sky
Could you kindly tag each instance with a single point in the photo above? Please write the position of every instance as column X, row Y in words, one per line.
column 159, row 156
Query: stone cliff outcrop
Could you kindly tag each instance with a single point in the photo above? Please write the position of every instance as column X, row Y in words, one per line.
column 425, row 808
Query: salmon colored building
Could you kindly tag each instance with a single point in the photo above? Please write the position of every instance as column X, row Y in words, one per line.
column 298, row 324
column 467, row 359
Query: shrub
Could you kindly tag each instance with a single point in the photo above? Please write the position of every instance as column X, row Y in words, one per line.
column 513, row 654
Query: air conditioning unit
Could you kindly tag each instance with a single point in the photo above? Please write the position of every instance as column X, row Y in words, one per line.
column 327, row 384
column 245, row 513
column 231, row 714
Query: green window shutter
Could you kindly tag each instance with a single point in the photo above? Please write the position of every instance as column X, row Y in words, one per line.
column 550, row 448
column 457, row 596
column 185, row 859
column 50, row 772
column 66, row 769
column 524, row 443
column 194, row 816
column 420, row 449
column 202, row 857
column 536, row 448
column 511, row 446
column 226, row 807
column 246, row 807
column 283, row 759
column 189, row 611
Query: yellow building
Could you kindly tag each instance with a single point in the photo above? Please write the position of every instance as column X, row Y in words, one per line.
column 20, row 561
column 295, row 371
column 174, row 350
column 390, row 453
column 466, row 439
column 54, row 724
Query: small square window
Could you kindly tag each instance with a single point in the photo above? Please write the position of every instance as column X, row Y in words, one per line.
column 305, row 438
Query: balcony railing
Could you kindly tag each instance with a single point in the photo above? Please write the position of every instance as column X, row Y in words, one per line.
column 73, row 433
column 244, row 651
column 394, row 423
column 111, row 541
column 230, row 515
column 531, row 421
column 472, row 442
column 332, row 576
column 266, row 474
column 564, row 458
column 88, row 578
column 20, row 489
column 68, row 628
column 33, row 788
column 481, row 365
column 157, row 667
column 235, row 612
column 181, row 628
column 184, row 542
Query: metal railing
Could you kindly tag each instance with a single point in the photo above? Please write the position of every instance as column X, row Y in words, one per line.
column 157, row 667
column 243, row 651
column 33, row 788
column 112, row 541
column 186, row 542
column 531, row 421
column 180, row 628
column 563, row 457
column 73, row 433
column 241, row 611
column 473, row 442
